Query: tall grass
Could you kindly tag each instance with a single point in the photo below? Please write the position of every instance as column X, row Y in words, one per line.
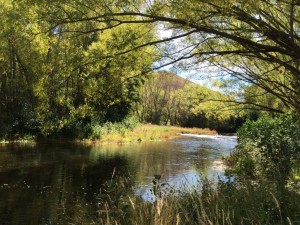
column 213, row 204
column 122, row 132
column 216, row 205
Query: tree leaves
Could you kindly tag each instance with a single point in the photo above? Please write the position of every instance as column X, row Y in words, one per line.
column 63, row 74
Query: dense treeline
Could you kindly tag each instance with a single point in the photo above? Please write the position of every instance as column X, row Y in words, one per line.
column 68, row 78
column 168, row 99
column 256, row 42
column 54, row 81
column 72, row 66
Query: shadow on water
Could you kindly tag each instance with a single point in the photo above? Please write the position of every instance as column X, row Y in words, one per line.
column 36, row 182
column 44, row 183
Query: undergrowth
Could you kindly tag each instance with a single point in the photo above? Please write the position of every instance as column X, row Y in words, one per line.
column 221, row 203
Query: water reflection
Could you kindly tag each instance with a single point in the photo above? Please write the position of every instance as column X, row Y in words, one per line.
column 42, row 184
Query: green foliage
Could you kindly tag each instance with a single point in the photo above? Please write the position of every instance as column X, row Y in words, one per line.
column 210, row 108
column 267, row 148
column 62, row 62
column 17, row 62
column 97, row 129
column 171, row 100
column 262, row 102
column 234, row 36
column 159, row 103
column 52, row 79
column 87, row 81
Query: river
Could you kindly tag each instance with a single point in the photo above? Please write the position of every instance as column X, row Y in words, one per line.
column 44, row 183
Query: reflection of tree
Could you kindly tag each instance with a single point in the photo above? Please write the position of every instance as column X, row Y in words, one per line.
column 50, row 180
column 166, row 158
column 62, row 178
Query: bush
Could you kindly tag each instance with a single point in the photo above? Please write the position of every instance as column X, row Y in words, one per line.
column 99, row 129
column 267, row 148
column 95, row 128
column 19, row 124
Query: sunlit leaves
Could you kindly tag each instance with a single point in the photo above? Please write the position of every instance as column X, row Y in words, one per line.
column 70, row 71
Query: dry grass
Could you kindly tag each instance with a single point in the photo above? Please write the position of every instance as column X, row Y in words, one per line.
column 148, row 132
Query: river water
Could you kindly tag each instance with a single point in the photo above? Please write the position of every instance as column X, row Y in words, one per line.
column 44, row 183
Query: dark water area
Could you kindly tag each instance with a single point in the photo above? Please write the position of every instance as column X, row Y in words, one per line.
column 57, row 183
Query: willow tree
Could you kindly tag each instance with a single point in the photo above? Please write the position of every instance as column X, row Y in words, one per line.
column 80, row 86
column 255, row 41
column 56, row 75
column 20, row 58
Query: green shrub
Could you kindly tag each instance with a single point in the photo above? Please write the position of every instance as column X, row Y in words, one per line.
column 267, row 148
column 87, row 128
column 98, row 129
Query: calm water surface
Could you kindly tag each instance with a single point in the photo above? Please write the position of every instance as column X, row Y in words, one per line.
column 50, row 183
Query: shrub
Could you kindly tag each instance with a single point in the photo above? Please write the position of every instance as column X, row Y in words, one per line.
column 267, row 148
column 99, row 129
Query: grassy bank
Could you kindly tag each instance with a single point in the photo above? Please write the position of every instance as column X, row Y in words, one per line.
column 124, row 132
column 213, row 204
column 143, row 132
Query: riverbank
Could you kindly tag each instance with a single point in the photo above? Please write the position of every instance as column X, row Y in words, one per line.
column 145, row 132
column 118, row 134
column 19, row 141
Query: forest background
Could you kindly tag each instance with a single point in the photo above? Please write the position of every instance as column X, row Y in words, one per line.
column 68, row 67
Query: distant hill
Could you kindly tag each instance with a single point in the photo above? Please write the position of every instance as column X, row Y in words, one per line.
column 169, row 99
column 172, row 81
